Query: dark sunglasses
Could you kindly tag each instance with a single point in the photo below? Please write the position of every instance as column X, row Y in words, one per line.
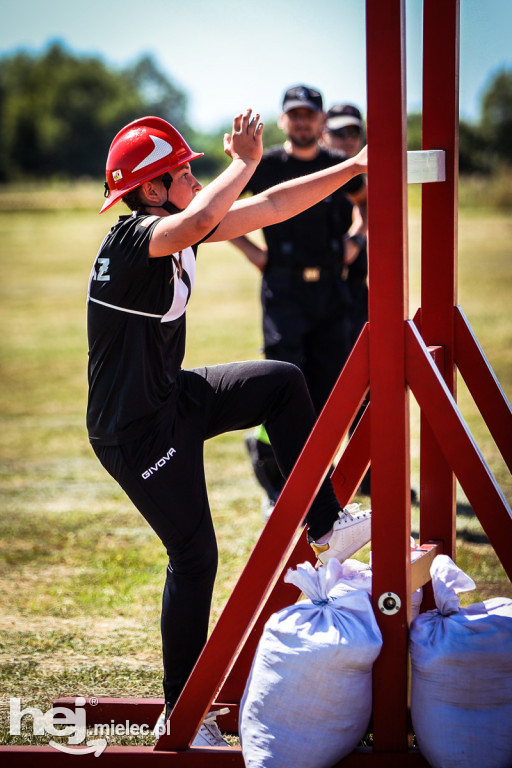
column 350, row 132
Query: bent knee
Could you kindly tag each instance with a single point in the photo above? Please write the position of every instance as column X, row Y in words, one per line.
column 194, row 561
column 285, row 371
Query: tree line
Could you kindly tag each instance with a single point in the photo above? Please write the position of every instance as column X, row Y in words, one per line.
column 484, row 147
column 59, row 112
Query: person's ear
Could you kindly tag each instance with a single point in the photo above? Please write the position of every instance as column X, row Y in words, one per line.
column 152, row 192
column 281, row 121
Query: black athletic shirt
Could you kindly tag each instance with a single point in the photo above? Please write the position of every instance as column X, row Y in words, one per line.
column 136, row 331
column 315, row 236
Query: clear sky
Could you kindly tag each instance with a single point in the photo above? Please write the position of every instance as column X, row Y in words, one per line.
column 229, row 54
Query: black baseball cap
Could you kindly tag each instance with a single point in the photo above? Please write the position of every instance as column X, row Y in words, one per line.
column 342, row 115
column 302, row 96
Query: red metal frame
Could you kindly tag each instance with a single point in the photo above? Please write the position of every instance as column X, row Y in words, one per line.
column 389, row 434
column 439, row 251
column 397, row 356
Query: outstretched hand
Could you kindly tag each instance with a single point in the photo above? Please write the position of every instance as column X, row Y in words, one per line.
column 245, row 141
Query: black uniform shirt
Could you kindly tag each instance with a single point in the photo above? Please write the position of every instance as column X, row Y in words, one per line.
column 315, row 236
column 136, row 330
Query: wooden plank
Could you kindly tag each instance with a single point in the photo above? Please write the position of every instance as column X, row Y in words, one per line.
column 421, row 560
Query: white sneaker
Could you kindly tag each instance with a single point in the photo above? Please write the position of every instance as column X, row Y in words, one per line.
column 350, row 532
column 267, row 507
column 159, row 728
column 209, row 734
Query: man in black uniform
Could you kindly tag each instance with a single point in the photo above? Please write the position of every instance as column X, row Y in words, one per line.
column 344, row 131
column 147, row 417
column 304, row 295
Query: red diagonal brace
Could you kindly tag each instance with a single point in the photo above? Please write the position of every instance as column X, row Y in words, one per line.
column 483, row 385
column 354, row 461
column 458, row 446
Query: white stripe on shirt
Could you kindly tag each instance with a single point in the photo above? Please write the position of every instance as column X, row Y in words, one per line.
column 123, row 309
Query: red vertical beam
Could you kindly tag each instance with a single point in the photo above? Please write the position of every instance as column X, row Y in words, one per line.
column 389, row 431
column 439, row 251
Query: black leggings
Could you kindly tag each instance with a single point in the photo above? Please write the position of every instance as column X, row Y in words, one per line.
column 163, row 475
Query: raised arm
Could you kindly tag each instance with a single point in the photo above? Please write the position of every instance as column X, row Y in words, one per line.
column 287, row 199
column 210, row 205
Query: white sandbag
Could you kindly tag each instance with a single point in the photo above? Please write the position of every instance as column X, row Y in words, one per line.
column 461, row 686
column 308, row 699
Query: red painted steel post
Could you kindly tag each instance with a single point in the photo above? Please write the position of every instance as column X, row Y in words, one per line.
column 389, row 432
column 439, row 251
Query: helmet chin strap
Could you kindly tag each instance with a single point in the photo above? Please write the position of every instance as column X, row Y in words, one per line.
column 168, row 206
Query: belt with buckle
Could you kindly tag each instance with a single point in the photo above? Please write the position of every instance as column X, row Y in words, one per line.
column 307, row 274
column 311, row 274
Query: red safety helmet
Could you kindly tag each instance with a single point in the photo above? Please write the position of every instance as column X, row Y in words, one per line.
column 141, row 151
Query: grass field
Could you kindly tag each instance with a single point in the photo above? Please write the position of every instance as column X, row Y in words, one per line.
column 80, row 572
